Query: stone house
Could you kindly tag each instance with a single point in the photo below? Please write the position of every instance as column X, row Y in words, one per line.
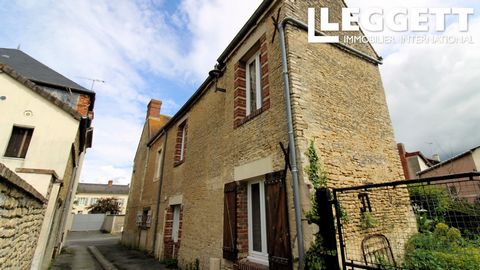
column 46, row 129
column 210, row 182
column 88, row 194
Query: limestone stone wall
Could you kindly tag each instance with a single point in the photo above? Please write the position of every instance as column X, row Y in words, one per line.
column 130, row 233
column 338, row 100
column 216, row 146
column 143, row 195
column 342, row 107
column 22, row 211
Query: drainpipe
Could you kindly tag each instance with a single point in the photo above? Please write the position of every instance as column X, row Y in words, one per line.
column 141, row 192
column 160, row 183
column 75, row 179
column 291, row 139
column 293, row 152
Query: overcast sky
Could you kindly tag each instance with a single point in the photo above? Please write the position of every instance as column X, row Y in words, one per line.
column 164, row 49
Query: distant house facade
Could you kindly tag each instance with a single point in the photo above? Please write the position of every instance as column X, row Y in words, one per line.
column 46, row 129
column 415, row 162
column 88, row 194
column 468, row 161
column 210, row 183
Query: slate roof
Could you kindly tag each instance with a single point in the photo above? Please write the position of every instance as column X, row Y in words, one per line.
column 35, row 71
column 102, row 189
column 39, row 90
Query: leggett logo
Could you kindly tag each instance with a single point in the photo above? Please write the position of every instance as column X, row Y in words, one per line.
column 376, row 19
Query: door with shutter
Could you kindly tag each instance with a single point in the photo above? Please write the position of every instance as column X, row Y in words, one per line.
column 230, row 222
column 278, row 236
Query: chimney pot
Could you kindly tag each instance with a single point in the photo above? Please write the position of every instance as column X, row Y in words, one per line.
column 153, row 108
column 110, row 183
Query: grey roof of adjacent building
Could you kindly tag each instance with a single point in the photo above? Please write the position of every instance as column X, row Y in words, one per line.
column 103, row 189
column 37, row 72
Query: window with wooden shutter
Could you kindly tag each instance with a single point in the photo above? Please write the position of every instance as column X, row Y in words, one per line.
column 278, row 236
column 19, row 142
column 230, row 222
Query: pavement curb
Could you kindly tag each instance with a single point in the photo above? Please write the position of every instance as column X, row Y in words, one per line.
column 106, row 264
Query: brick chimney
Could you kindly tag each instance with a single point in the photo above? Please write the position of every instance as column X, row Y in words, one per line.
column 403, row 159
column 153, row 108
column 110, row 183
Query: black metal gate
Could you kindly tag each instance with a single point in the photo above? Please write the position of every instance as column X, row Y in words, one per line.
column 414, row 224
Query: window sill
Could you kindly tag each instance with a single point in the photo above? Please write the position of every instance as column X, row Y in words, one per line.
column 258, row 260
column 252, row 264
column 14, row 158
column 178, row 163
column 251, row 116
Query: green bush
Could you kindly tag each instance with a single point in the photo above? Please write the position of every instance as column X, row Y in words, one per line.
column 443, row 249
column 170, row 263
column 368, row 221
column 434, row 199
column 313, row 258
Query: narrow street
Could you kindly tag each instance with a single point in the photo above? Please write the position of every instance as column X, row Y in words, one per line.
column 77, row 256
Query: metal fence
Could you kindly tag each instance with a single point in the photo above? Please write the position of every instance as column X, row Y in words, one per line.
column 415, row 224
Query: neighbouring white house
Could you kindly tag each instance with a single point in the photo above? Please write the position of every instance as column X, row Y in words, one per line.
column 415, row 162
column 45, row 130
column 88, row 194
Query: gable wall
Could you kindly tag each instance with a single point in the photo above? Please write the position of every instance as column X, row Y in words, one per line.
column 54, row 129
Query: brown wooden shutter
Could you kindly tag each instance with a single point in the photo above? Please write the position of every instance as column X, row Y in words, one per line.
column 19, row 142
column 26, row 142
column 278, row 236
column 230, row 222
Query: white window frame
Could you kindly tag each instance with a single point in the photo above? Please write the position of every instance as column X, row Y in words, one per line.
column 158, row 164
column 176, row 222
column 255, row 256
column 182, row 146
column 138, row 221
column 93, row 200
column 258, row 97
column 82, row 201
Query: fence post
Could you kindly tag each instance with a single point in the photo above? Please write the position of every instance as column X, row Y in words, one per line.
column 327, row 227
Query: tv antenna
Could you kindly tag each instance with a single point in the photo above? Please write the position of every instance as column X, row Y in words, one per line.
column 93, row 81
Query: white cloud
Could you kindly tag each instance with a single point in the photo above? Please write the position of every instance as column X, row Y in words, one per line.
column 134, row 46
column 213, row 25
column 432, row 91
column 139, row 48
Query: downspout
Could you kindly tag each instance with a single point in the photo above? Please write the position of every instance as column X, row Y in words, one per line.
column 291, row 138
column 160, row 183
column 293, row 151
column 141, row 192
column 71, row 194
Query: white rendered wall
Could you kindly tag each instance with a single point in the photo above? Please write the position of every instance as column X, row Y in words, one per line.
column 54, row 129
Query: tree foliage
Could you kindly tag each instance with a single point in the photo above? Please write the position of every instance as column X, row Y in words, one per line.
column 105, row 205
